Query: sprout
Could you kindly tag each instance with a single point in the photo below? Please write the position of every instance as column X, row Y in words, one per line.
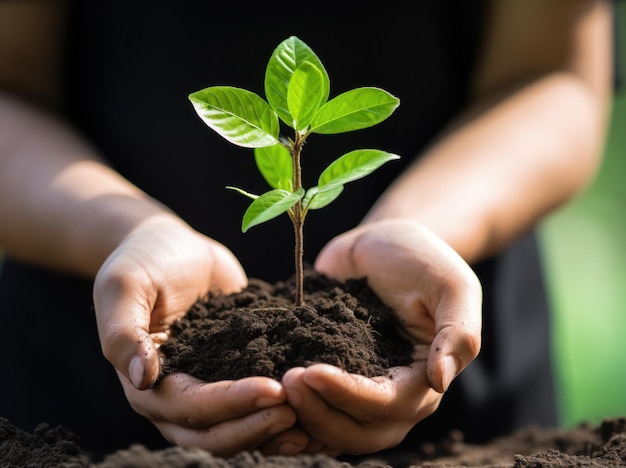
column 297, row 88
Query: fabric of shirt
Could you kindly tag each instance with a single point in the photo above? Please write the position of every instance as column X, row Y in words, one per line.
column 130, row 68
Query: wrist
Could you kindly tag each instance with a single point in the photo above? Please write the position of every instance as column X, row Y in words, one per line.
column 107, row 221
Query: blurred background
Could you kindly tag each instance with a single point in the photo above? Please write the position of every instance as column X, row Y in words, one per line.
column 584, row 247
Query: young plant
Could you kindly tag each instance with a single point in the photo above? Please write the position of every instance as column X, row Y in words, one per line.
column 297, row 89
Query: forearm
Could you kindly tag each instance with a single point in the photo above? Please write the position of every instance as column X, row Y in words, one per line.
column 498, row 172
column 60, row 206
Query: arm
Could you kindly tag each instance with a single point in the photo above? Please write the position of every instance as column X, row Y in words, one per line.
column 63, row 208
column 58, row 200
column 532, row 136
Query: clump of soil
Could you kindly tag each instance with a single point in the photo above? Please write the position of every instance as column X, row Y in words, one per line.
column 587, row 445
column 259, row 331
column 46, row 446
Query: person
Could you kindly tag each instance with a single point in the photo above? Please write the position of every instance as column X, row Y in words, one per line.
column 114, row 217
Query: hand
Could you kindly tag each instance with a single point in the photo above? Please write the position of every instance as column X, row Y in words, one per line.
column 437, row 300
column 160, row 269
column 224, row 417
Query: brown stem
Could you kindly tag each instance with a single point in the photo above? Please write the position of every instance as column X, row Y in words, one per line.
column 298, row 223
column 299, row 253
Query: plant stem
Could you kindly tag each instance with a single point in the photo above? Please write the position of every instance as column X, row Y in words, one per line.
column 298, row 223
column 299, row 252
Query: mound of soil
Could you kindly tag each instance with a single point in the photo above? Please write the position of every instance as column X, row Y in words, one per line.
column 259, row 331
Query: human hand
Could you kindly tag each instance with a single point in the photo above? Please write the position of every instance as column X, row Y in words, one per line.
column 437, row 300
column 224, row 417
column 154, row 276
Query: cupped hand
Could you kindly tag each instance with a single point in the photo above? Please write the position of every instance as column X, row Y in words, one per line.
column 437, row 300
column 223, row 417
column 153, row 277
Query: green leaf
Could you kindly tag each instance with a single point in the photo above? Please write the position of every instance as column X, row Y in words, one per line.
column 305, row 94
column 268, row 206
column 276, row 166
column 238, row 115
column 314, row 199
column 284, row 61
column 354, row 110
column 243, row 192
column 352, row 166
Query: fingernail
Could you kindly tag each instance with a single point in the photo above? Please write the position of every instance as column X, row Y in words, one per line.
column 136, row 371
column 449, row 371
column 289, row 448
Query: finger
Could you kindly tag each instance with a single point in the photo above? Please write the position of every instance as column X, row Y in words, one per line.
column 333, row 424
column 234, row 435
column 123, row 322
column 453, row 348
column 227, row 274
column 315, row 447
column 289, row 442
column 223, row 417
column 369, row 400
column 187, row 401
column 332, row 259
column 458, row 328
column 294, row 441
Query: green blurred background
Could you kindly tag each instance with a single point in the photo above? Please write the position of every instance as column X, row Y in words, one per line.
column 584, row 247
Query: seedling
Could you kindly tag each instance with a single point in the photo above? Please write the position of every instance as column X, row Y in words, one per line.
column 297, row 89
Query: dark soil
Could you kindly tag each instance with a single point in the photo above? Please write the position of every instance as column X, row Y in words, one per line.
column 601, row 445
column 259, row 332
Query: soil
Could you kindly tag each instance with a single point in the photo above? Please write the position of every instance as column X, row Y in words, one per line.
column 259, row 332
column 602, row 445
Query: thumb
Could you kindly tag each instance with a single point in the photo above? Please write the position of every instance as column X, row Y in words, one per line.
column 123, row 328
column 458, row 328
column 450, row 352
column 335, row 259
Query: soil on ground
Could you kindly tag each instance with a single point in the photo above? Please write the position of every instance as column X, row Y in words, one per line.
column 259, row 332
column 587, row 445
